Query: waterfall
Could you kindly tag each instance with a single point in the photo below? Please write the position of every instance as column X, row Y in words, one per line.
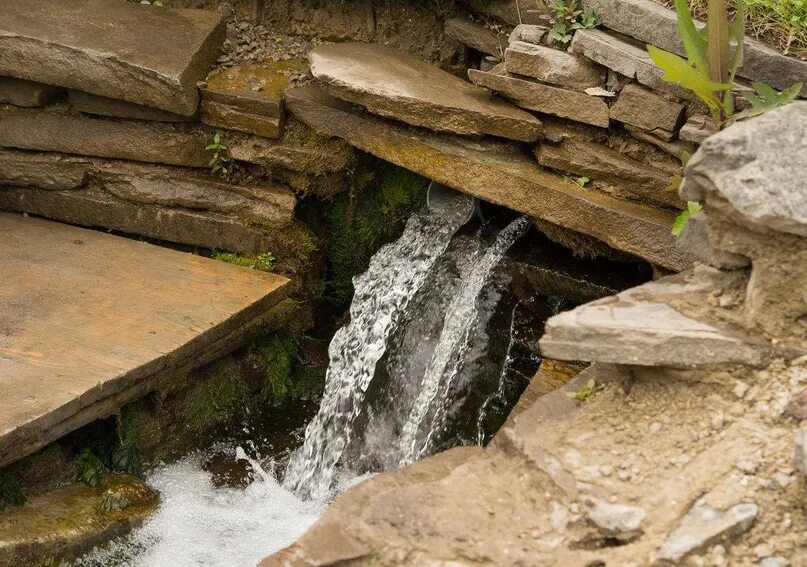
column 382, row 295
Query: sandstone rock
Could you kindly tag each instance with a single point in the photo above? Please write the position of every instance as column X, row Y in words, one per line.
column 797, row 405
column 477, row 36
column 615, row 520
column 220, row 115
column 26, row 93
column 53, row 130
column 624, row 58
column 639, row 107
column 800, row 453
column 755, row 166
column 604, row 164
column 393, row 84
column 639, row 327
column 73, row 519
column 496, row 172
column 697, row 128
column 529, row 33
column 551, row 66
column 136, row 53
column 652, row 23
column 544, row 98
column 704, row 525
column 170, row 204
column 695, row 240
column 677, row 148
column 102, row 106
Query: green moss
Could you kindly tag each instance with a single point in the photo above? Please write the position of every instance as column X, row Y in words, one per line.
column 278, row 353
column 10, row 492
column 219, row 397
column 358, row 224
column 264, row 262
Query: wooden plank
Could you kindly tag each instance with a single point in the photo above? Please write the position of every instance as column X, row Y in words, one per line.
column 86, row 318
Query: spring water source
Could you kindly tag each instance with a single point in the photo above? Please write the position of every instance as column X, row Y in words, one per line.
column 398, row 375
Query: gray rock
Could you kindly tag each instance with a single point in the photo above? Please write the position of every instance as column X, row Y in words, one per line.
column 141, row 54
column 391, row 83
column 559, row 102
column 529, row 33
column 797, row 405
column 26, row 93
column 756, row 166
column 697, row 128
column 652, row 23
column 102, row 106
column 615, row 520
column 645, row 109
column 639, row 327
column 704, row 525
column 695, row 240
column 624, row 58
column 476, row 36
column 800, row 453
column 497, row 172
column 676, row 148
column 552, row 66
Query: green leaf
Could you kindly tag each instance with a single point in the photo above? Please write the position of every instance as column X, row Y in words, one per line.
column 737, row 40
column 678, row 70
column 682, row 219
column 766, row 98
column 718, row 43
column 694, row 42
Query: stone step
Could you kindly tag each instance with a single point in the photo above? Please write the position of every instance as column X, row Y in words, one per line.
column 93, row 321
column 497, row 172
column 137, row 53
column 652, row 23
column 655, row 324
column 172, row 204
column 391, row 83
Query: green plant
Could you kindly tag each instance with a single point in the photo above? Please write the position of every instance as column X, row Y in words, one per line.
column 221, row 162
column 90, row 468
column 585, row 392
column 569, row 17
column 263, row 262
column 682, row 219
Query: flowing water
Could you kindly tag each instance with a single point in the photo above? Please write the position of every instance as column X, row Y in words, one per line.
column 405, row 366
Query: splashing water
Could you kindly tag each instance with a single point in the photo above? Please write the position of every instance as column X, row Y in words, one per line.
column 382, row 295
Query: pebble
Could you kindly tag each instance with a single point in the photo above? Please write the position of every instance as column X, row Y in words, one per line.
column 740, row 389
column 655, row 427
column 773, row 561
column 606, row 470
column 718, row 420
column 797, row 405
column 748, row 466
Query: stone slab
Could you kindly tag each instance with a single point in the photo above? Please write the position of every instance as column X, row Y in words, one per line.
column 530, row 33
column 696, row 129
column 89, row 317
column 393, row 84
column 133, row 52
column 102, row 106
column 177, row 205
column 219, row 115
column 757, row 169
column 656, row 25
column 476, row 36
column 639, row 107
column 552, row 66
column 26, row 93
column 496, row 172
column 559, row 102
column 639, row 327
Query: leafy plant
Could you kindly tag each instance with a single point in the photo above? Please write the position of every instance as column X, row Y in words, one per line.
column 264, row 262
column 90, row 468
column 682, row 219
column 765, row 98
column 585, row 392
column 220, row 162
column 568, row 18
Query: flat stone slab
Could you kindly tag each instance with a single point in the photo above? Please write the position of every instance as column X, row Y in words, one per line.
column 552, row 66
column 497, row 172
column 173, row 204
column 26, row 93
column 87, row 103
column 642, row 108
column 556, row 101
column 656, row 25
column 640, row 327
column 476, row 36
column 758, row 167
column 91, row 321
column 123, row 50
column 391, row 83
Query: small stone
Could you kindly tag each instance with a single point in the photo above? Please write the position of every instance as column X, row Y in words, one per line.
column 740, row 389
column 763, row 550
column 644, row 109
column 624, row 475
column 718, row 420
column 655, row 427
column 697, row 129
column 615, row 520
column 773, row 561
column 780, row 480
column 797, row 405
column 599, row 91
column 606, row 470
column 529, row 33
column 800, row 456
column 748, row 466
column 552, row 66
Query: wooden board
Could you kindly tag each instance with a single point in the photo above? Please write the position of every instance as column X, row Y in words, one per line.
column 87, row 318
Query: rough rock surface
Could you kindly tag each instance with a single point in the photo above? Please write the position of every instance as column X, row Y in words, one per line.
column 544, row 98
column 393, row 84
column 552, row 66
column 477, row 36
column 645, row 109
column 695, row 240
column 696, row 129
column 657, row 25
column 496, row 172
column 641, row 326
column 177, row 205
column 26, row 93
column 102, row 106
column 530, row 33
column 95, row 320
column 138, row 53
column 228, row 117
